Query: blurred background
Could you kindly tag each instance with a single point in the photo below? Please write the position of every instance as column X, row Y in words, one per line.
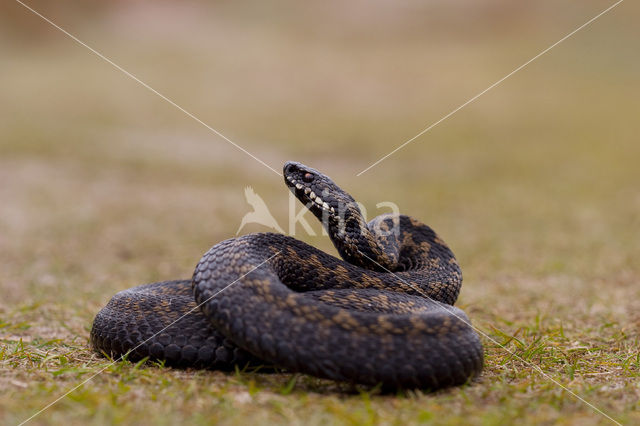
column 105, row 185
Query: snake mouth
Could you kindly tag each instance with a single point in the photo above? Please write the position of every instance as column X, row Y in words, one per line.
column 302, row 182
column 307, row 195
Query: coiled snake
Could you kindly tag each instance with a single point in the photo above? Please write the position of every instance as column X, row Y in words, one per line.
column 381, row 315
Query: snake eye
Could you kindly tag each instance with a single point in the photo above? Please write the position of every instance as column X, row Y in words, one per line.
column 307, row 177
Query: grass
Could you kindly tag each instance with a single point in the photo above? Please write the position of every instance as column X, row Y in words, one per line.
column 535, row 186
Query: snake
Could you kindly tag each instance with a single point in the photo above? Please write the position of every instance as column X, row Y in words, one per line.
column 382, row 314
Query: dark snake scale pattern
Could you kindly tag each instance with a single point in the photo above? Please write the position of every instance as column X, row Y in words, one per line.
column 383, row 315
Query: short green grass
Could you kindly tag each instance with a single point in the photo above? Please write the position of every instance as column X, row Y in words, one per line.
column 535, row 186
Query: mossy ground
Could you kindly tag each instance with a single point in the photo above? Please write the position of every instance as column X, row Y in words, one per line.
column 535, row 186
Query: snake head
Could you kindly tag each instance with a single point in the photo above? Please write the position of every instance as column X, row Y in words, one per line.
column 315, row 190
column 340, row 216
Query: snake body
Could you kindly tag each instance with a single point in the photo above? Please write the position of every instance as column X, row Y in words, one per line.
column 382, row 314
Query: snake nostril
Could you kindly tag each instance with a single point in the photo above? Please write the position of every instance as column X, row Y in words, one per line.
column 289, row 167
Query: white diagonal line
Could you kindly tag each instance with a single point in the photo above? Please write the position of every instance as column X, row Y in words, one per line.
column 538, row 368
column 145, row 85
column 145, row 341
column 491, row 87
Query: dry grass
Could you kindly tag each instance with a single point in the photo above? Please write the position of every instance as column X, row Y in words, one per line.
column 535, row 186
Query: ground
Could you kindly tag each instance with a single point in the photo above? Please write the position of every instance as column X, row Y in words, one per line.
column 534, row 186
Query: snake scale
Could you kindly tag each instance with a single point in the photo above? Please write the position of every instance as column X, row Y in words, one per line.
column 382, row 314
